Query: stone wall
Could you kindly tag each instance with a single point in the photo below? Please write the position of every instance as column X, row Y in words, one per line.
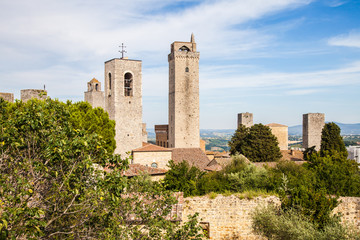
column 161, row 158
column 226, row 217
column 281, row 133
column 7, row 96
column 349, row 208
column 27, row 94
column 230, row 217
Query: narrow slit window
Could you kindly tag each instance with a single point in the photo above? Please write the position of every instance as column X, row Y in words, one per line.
column 110, row 81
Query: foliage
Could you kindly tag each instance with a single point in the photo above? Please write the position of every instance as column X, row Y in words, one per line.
column 93, row 120
column 256, row 143
column 331, row 140
column 50, row 187
column 181, row 177
column 336, row 168
column 282, row 225
column 238, row 176
column 238, row 140
column 308, row 152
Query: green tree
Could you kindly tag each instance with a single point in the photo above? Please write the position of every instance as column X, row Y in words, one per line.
column 331, row 140
column 182, row 177
column 337, row 174
column 93, row 120
column 257, row 143
column 238, row 140
column 50, row 187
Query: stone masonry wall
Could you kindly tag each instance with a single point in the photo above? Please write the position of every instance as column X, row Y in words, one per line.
column 7, row 96
column 27, row 94
column 349, row 208
column 227, row 217
column 230, row 217
column 313, row 124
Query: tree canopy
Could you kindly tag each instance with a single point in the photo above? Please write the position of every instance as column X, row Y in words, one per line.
column 257, row 143
column 51, row 188
column 331, row 140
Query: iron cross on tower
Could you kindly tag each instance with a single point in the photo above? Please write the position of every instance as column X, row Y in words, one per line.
column 122, row 51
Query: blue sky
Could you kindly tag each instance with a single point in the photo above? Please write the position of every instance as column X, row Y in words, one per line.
column 277, row 59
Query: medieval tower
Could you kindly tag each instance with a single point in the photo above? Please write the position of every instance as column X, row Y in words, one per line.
column 94, row 95
column 123, row 102
column 245, row 119
column 313, row 124
column 184, row 130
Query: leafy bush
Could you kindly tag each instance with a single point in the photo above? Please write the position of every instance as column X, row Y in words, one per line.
column 283, row 225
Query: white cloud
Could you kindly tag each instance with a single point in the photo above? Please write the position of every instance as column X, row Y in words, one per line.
column 347, row 40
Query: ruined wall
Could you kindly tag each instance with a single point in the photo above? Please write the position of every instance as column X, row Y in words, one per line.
column 7, row 96
column 228, row 216
column 349, row 207
column 27, row 94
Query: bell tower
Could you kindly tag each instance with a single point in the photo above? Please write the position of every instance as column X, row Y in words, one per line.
column 123, row 102
column 184, row 130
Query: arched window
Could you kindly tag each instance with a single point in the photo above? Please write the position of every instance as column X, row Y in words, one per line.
column 154, row 165
column 184, row 48
column 186, row 69
column 128, row 84
column 110, row 81
column 96, row 87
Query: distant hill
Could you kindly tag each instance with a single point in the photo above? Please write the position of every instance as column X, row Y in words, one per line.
column 346, row 129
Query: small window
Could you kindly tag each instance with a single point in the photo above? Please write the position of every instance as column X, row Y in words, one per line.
column 97, row 87
column 154, row 165
column 186, row 69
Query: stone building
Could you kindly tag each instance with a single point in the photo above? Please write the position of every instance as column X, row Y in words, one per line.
column 162, row 137
column 245, row 119
column 313, row 124
column 94, row 95
column 123, row 102
column 281, row 133
column 27, row 94
column 184, row 131
column 7, row 96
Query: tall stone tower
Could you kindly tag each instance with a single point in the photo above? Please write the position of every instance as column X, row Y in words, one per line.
column 184, row 130
column 313, row 124
column 245, row 119
column 123, row 102
column 94, row 95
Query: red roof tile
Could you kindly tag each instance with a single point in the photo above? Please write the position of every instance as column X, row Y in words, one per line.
column 152, row 148
column 194, row 156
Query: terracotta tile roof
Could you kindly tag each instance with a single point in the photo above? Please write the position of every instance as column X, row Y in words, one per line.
column 94, row 80
column 275, row 125
column 292, row 155
column 152, row 148
column 213, row 168
column 136, row 169
column 194, row 156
